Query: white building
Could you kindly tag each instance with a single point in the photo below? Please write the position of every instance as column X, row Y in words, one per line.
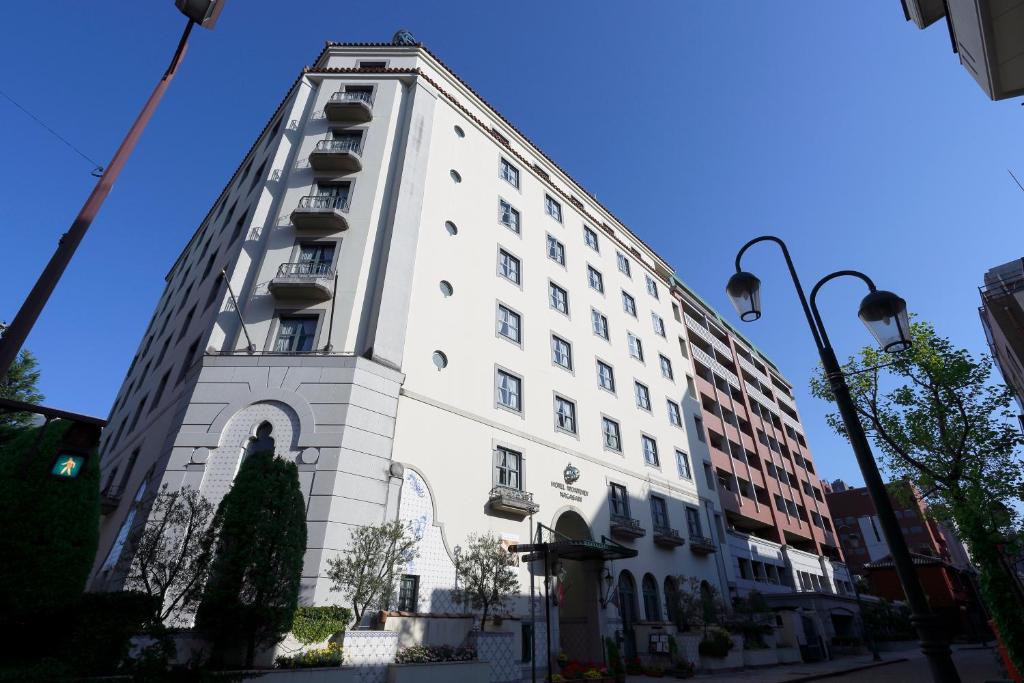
column 435, row 322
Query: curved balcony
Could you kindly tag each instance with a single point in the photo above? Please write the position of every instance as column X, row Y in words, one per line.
column 321, row 214
column 702, row 545
column 349, row 107
column 308, row 281
column 337, row 156
column 666, row 537
column 626, row 527
column 511, row 501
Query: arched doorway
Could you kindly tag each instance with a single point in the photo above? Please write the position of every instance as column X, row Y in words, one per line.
column 577, row 590
column 628, row 612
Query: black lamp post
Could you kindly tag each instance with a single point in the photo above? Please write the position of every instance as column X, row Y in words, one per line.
column 885, row 315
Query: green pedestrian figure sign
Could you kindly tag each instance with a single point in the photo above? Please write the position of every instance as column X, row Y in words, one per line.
column 67, row 466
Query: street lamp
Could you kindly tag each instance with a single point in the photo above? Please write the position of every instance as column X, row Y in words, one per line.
column 202, row 12
column 885, row 316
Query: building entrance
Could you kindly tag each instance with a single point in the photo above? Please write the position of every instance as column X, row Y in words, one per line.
column 578, row 594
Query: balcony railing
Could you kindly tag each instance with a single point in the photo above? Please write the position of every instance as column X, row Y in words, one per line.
column 318, row 202
column 512, row 501
column 667, row 537
column 342, row 145
column 752, row 369
column 706, row 335
column 352, row 106
column 765, row 402
column 626, row 527
column 352, row 96
column 715, row 366
column 306, row 269
column 321, row 213
column 702, row 545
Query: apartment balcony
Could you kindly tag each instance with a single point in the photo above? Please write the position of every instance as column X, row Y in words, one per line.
column 321, row 214
column 715, row 366
column 349, row 107
column 702, row 332
column 627, row 527
column 310, row 281
column 337, row 156
column 666, row 537
column 110, row 499
column 785, row 400
column 702, row 545
column 752, row 369
column 510, row 501
column 755, row 393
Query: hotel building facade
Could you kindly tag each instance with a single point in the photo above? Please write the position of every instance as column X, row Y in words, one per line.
column 437, row 324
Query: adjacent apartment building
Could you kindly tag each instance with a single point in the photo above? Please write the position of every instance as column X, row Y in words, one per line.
column 1002, row 318
column 401, row 293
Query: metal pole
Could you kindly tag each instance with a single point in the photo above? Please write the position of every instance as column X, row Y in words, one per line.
column 533, row 617
column 547, row 610
column 19, row 329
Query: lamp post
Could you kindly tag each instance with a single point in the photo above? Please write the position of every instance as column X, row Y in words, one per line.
column 202, row 12
column 885, row 315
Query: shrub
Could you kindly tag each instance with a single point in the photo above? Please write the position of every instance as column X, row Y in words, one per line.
column 716, row 643
column 315, row 624
column 331, row 655
column 429, row 654
column 682, row 669
column 615, row 666
column 104, row 623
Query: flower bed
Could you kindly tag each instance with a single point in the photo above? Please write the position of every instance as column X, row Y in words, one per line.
column 331, row 655
column 431, row 654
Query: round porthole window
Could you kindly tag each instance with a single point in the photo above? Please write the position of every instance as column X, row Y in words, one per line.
column 446, row 288
column 440, row 360
column 458, row 131
column 452, row 229
column 455, row 176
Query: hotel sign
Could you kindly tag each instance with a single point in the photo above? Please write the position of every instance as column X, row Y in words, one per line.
column 565, row 488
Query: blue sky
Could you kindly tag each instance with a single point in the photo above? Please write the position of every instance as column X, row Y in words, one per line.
column 840, row 127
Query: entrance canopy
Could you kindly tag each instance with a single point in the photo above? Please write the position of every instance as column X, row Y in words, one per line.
column 579, row 550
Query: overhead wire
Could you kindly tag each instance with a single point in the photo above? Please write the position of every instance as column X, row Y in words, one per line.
column 97, row 168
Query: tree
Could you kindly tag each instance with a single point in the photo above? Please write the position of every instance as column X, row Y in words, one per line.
column 260, row 539
column 19, row 384
column 486, row 574
column 943, row 426
column 367, row 571
column 170, row 562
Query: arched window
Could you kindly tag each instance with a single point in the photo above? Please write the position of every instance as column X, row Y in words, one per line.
column 672, row 610
column 652, row 605
column 627, row 598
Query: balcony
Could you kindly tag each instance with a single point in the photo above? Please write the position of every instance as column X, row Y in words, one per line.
column 337, row 156
column 702, row 545
column 715, row 367
column 110, row 498
column 321, row 214
column 349, row 107
column 706, row 335
column 511, row 501
column 626, row 527
column 309, row 281
column 666, row 537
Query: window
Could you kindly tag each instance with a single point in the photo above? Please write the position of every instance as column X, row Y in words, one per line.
column 590, row 239
column 508, row 465
column 693, row 523
column 556, row 251
column 190, row 357
column 509, row 173
column 709, row 477
column 561, row 352
column 652, row 604
column 160, row 390
column 370, row 65
column 509, row 324
column 508, row 266
column 652, row 286
column 605, row 376
column 315, row 259
column 139, row 409
column 619, row 500
column 565, row 415
column 612, row 435
column 295, row 334
column 683, row 465
column 509, row 391
column 659, row 511
column 526, row 638
column 636, row 347
column 188, row 321
column 691, row 388
column 559, row 298
column 698, row 425
column 629, row 304
column 408, row 592
column 666, row 367
column 623, row 264
column 552, row 208
column 674, row 416
column 600, row 324
column 659, row 324
column 643, row 396
column 675, row 313
column 508, row 216
column 650, row 448
column 595, row 279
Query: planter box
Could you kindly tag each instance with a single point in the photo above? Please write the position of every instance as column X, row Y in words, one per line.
column 463, row 672
column 732, row 661
column 788, row 655
column 762, row 657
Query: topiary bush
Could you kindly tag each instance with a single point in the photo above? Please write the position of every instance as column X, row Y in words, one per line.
column 316, row 624
column 716, row 643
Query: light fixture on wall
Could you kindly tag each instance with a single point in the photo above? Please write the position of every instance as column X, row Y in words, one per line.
column 609, row 582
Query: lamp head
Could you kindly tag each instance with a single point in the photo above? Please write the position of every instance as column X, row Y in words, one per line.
column 885, row 315
column 744, row 290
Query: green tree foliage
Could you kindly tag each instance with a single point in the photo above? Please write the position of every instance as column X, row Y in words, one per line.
column 486, row 575
column 49, row 527
column 317, row 624
column 19, row 384
column 941, row 424
column 253, row 588
column 367, row 572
